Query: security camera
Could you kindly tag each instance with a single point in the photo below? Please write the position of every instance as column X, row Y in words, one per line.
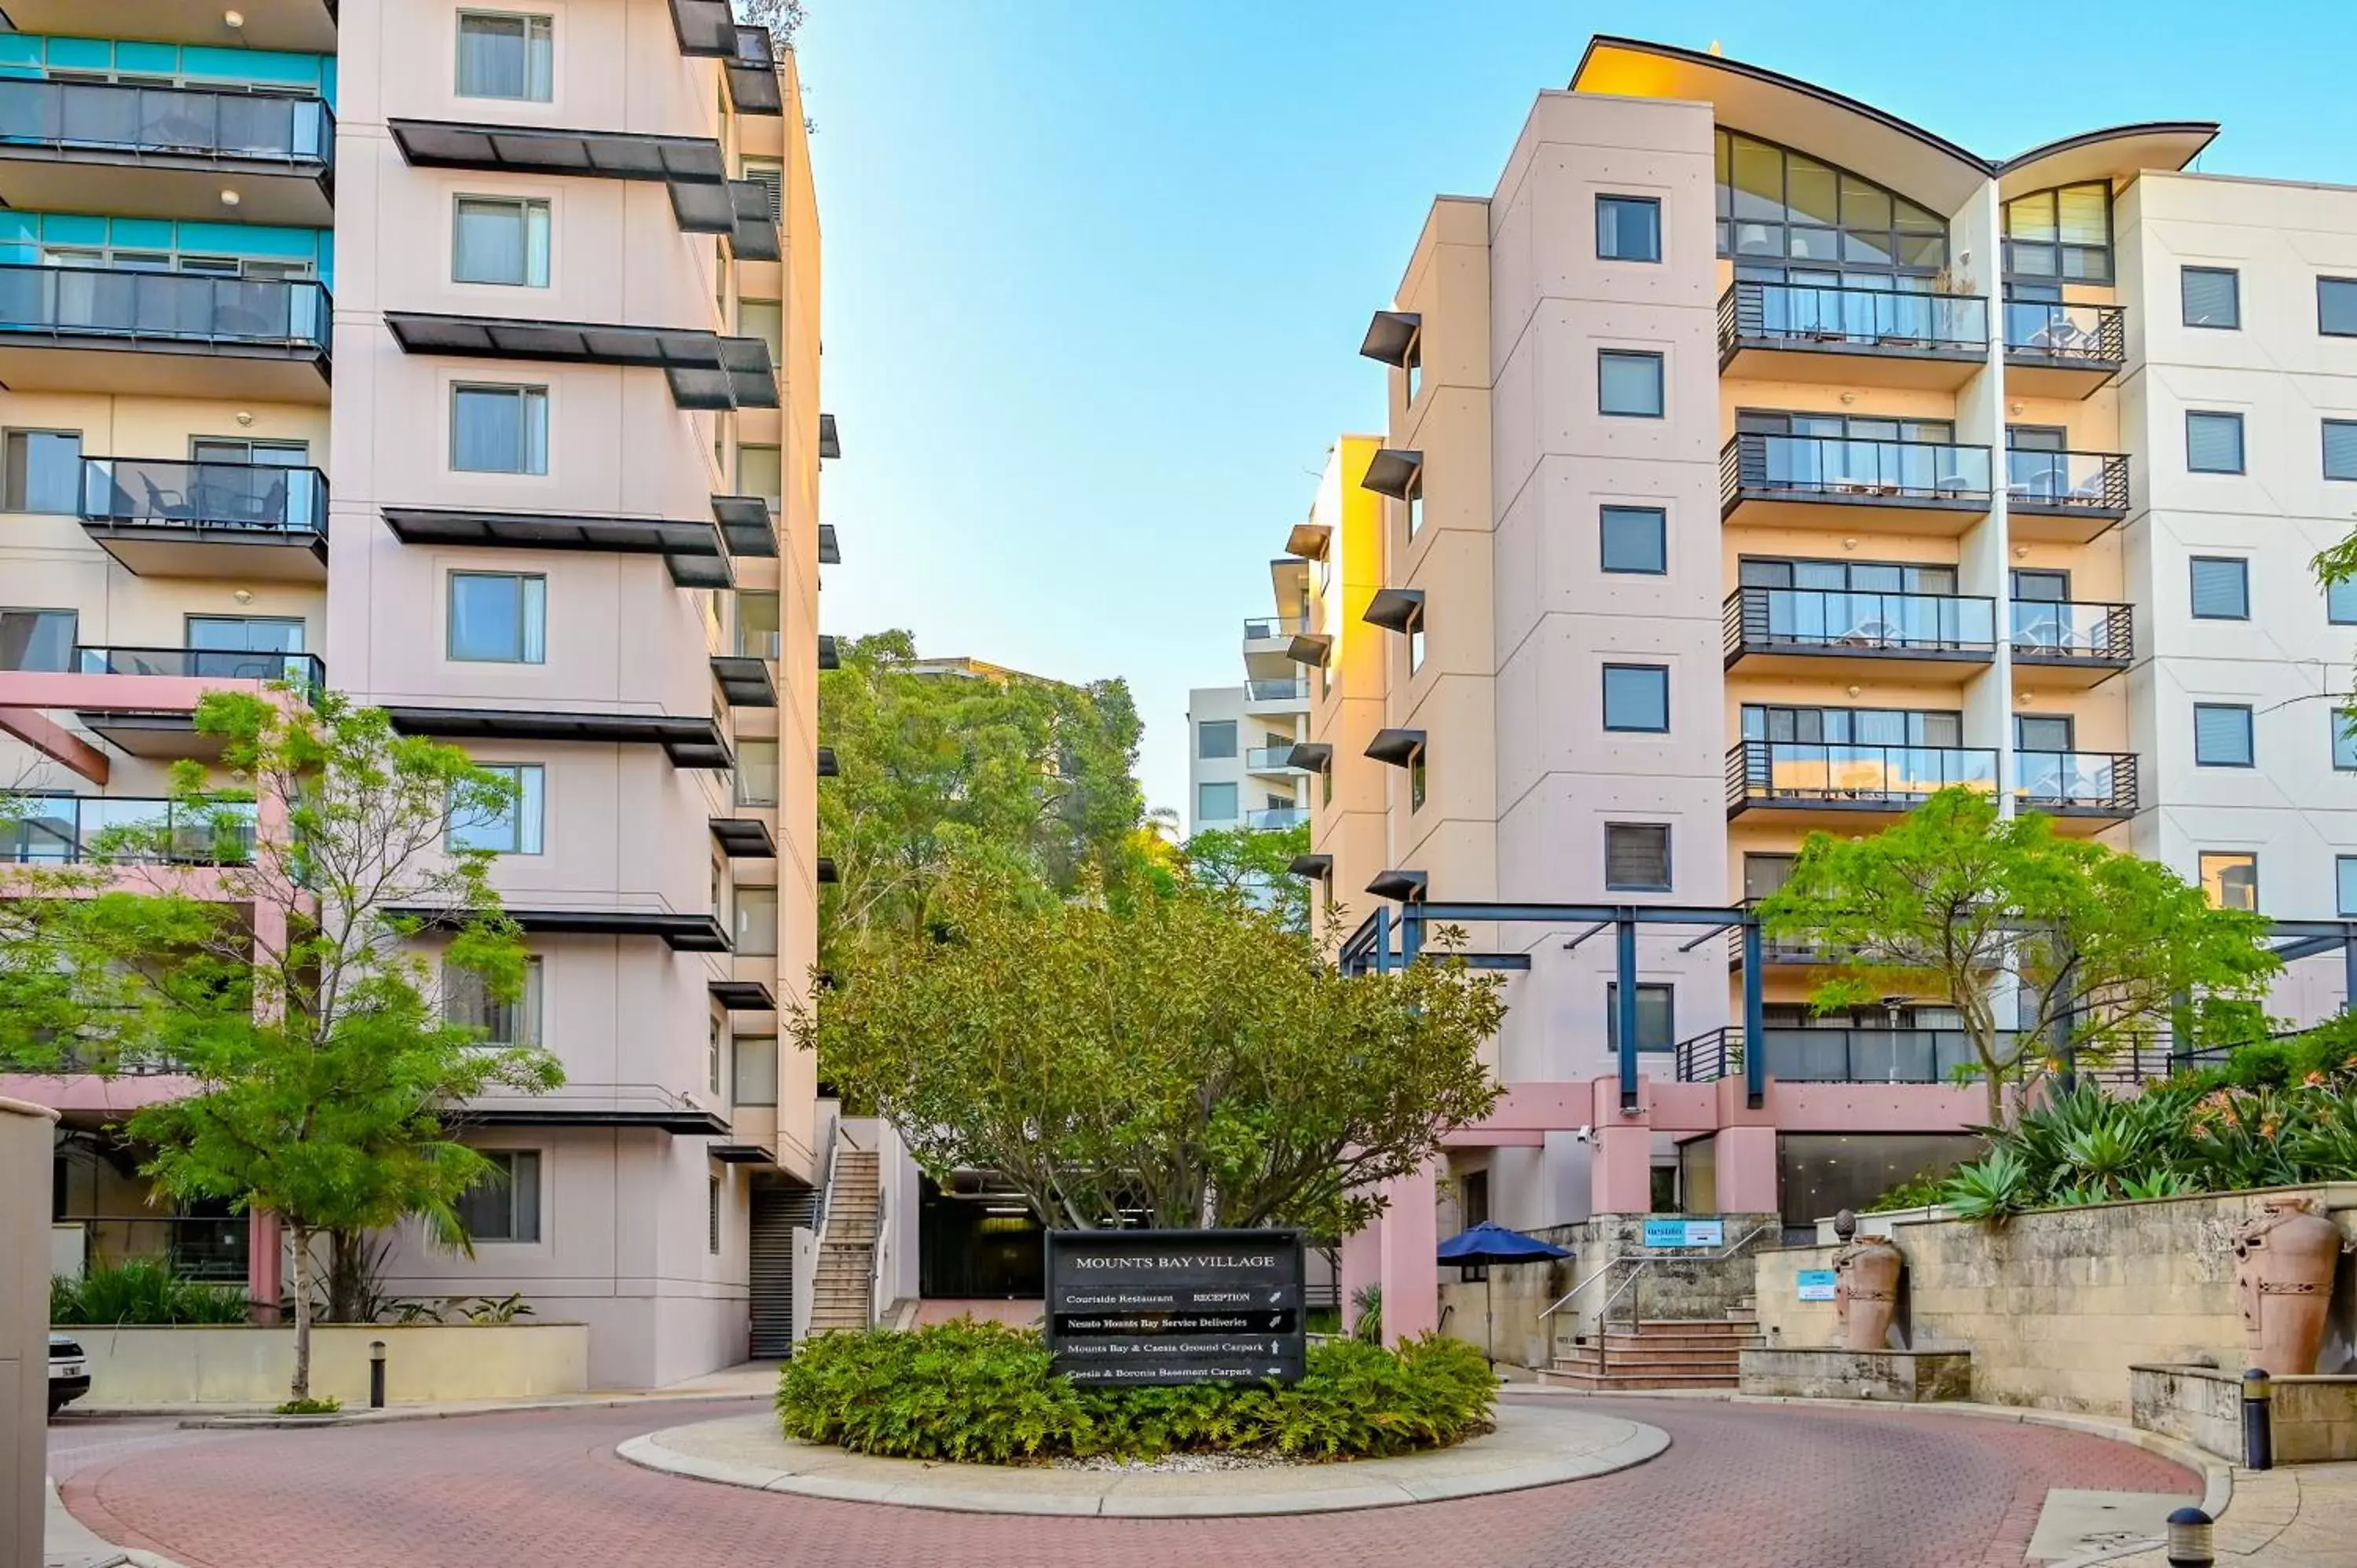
column 1586, row 1133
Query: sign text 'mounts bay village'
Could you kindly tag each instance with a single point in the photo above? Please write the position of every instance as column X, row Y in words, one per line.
column 1139, row 1308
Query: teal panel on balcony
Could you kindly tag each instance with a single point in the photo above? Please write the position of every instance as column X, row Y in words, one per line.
column 155, row 64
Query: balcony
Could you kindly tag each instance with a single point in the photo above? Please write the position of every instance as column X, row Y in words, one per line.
column 304, row 672
column 2064, row 497
column 1276, row 696
column 1271, row 760
column 104, row 330
column 119, row 830
column 2092, row 786
column 161, row 517
column 1802, row 332
column 1276, row 819
column 1779, row 780
column 2073, row 645
column 1832, row 1055
column 306, row 27
column 165, row 152
column 1821, row 633
column 1826, row 481
column 1268, row 642
column 2063, row 351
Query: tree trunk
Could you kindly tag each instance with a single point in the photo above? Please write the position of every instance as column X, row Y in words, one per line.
column 302, row 1389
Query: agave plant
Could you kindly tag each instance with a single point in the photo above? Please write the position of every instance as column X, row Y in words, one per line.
column 1993, row 1189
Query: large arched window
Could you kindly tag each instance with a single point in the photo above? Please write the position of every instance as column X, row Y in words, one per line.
column 2063, row 235
column 1780, row 208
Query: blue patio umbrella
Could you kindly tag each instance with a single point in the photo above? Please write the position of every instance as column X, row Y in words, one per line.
column 1486, row 1244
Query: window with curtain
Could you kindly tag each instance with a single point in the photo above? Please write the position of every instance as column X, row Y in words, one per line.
column 1657, row 1028
column 38, row 640
column 498, row 429
column 468, row 1002
column 757, row 1069
column 501, row 55
column 1628, row 229
column 1637, row 856
column 2222, row 588
column 2212, row 297
column 43, row 472
column 1636, row 540
column 1775, row 205
column 499, row 617
column 2064, row 233
column 757, row 922
column 2340, row 448
column 497, row 241
column 514, row 828
column 505, row 1204
column 2230, row 878
column 757, row 772
column 2222, row 735
column 1765, row 873
column 1853, row 726
column 2213, row 442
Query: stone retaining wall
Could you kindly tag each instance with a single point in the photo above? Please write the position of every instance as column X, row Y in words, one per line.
column 188, row 1364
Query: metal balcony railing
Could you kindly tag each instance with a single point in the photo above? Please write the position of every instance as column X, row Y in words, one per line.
column 1260, row 629
column 1829, row 620
column 1274, row 690
column 184, row 308
column 2092, row 335
column 191, row 122
column 1831, row 1054
column 160, row 491
column 1878, row 319
column 205, row 1249
column 1269, row 758
column 2066, row 481
column 2087, row 783
column 1832, row 467
column 2064, row 631
column 1803, row 773
column 301, row 670
column 1276, row 819
column 52, row 829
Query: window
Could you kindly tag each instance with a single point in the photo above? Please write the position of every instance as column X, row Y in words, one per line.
column 2336, row 306
column 2340, row 448
column 2222, row 735
column 468, row 1002
column 712, row 1217
column 765, row 319
column 1774, row 205
column 1325, row 784
column 2222, row 588
column 1215, row 739
column 757, row 922
column 44, row 471
column 36, row 640
column 2344, row 739
column 2341, row 602
column 514, row 828
column 1637, row 697
column 1416, row 639
column 2344, row 877
column 2214, row 443
column 760, row 471
column 1215, row 803
column 757, row 772
column 1628, row 229
column 757, row 1069
column 757, row 635
column 1914, row 727
column 2230, row 879
column 770, row 175
column 2212, row 297
column 2048, row 732
column 1629, row 384
column 1637, row 856
column 1412, row 367
column 2065, row 234
column 498, row 430
column 246, row 634
column 1413, row 500
column 499, row 617
column 1636, row 539
column 497, row 241
column 1766, row 873
column 1656, row 1017
column 505, row 1204
column 1473, row 1189
column 1416, row 779
column 714, row 1028
column 506, row 56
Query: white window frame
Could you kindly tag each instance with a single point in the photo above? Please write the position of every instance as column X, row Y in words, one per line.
column 531, row 589
column 531, row 425
column 525, row 819
column 537, row 28
column 537, row 217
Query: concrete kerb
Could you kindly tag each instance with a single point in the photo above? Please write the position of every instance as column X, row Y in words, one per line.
column 266, row 1419
column 1532, row 1447
column 67, row 1543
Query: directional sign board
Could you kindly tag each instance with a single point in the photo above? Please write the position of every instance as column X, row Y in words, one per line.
column 1139, row 1308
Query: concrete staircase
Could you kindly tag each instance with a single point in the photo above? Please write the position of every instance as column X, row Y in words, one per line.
column 1659, row 1353
column 840, row 1298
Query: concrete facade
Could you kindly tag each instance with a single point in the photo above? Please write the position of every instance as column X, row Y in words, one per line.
column 642, row 1229
column 1240, row 738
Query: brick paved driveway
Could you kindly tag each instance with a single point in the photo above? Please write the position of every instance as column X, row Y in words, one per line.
column 1742, row 1486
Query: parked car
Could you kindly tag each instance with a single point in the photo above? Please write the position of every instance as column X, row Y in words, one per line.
column 68, row 1372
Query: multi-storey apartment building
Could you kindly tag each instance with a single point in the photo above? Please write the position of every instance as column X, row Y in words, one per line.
column 1240, row 738
column 1757, row 463
column 464, row 358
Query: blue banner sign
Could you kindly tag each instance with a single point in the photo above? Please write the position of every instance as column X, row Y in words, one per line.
column 1816, row 1284
column 1670, row 1233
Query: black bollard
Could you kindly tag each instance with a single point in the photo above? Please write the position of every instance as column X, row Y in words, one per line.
column 2258, row 1425
column 2189, row 1540
column 376, row 1374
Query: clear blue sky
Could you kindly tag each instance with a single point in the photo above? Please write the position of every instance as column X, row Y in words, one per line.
column 1096, row 270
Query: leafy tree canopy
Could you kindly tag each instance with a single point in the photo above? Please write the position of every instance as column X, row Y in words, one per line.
column 1254, row 865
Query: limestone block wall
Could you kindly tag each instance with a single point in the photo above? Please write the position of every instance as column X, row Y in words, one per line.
column 2056, row 1306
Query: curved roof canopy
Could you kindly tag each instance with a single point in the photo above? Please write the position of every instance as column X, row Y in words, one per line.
column 1917, row 163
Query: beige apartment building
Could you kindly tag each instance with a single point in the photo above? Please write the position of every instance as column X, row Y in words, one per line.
column 464, row 359
column 1758, row 462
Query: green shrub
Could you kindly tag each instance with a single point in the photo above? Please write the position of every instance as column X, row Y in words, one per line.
column 1922, row 1191
column 310, row 1407
column 981, row 1393
column 142, row 1290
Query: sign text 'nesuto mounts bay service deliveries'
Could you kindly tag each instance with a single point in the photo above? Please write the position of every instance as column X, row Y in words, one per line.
column 1144, row 1308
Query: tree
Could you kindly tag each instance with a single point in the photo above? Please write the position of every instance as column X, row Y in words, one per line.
column 1179, row 1057
column 1034, row 776
column 1255, row 866
column 783, row 17
column 2098, row 949
column 288, row 983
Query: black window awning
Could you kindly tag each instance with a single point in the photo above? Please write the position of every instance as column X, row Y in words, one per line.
column 744, row 681
column 689, row 742
column 707, row 371
column 752, row 374
column 704, row 28
column 753, row 86
column 828, row 658
column 704, row 208
column 1309, row 648
column 744, row 838
column 830, row 438
column 741, row 1153
column 1389, row 334
column 1311, row 541
column 828, row 766
column 1390, row 472
column 754, row 236
column 691, row 547
column 1315, row 756
column 742, row 995
column 826, row 872
column 830, row 552
column 682, row 933
column 684, row 1120
column 1394, row 609
column 745, row 522
column 550, row 150
column 701, row 571
column 1311, row 865
column 1407, row 886
column 1395, row 746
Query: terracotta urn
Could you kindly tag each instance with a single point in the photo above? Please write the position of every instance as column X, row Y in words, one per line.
column 2283, row 1262
column 1866, row 1292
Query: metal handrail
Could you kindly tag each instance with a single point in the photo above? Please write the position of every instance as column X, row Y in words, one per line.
column 1604, row 1313
column 1852, row 467
column 303, row 669
column 1897, row 320
column 72, row 300
column 1647, row 1261
column 827, row 1188
column 2053, row 330
column 1840, row 621
column 259, row 125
